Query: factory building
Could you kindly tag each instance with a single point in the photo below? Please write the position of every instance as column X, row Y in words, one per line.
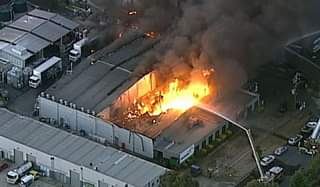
column 32, row 38
column 81, row 102
column 72, row 159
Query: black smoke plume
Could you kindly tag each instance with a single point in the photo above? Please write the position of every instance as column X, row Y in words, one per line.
column 233, row 36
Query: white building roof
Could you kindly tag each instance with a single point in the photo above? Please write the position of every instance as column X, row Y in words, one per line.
column 78, row 150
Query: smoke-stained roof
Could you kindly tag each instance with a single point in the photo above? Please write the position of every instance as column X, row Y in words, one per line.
column 78, row 150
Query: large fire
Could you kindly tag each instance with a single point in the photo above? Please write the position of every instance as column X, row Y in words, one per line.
column 176, row 96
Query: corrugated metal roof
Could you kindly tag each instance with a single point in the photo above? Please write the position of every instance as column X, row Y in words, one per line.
column 92, row 82
column 27, row 23
column 50, row 31
column 42, row 14
column 78, row 150
column 10, row 34
column 32, row 43
column 67, row 23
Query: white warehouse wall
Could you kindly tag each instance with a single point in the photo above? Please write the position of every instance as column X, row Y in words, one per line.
column 95, row 126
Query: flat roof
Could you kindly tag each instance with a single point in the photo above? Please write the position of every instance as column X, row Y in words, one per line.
column 78, row 150
column 27, row 23
column 50, row 31
column 99, row 84
column 42, row 14
column 232, row 104
column 181, row 134
column 67, row 23
column 32, row 42
column 11, row 49
column 10, row 34
column 55, row 18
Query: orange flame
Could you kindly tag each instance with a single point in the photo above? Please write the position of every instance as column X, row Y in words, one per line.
column 151, row 34
column 175, row 97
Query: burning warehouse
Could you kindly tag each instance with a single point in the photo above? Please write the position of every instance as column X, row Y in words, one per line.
column 149, row 115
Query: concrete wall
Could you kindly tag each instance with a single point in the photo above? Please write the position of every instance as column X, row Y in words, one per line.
column 94, row 126
column 58, row 165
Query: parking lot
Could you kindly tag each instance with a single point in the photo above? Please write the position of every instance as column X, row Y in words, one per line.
column 41, row 182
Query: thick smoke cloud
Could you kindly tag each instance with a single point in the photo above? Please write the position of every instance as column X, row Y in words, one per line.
column 233, row 36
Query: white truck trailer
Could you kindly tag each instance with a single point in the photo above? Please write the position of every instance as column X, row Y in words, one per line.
column 45, row 71
column 77, row 51
column 13, row 176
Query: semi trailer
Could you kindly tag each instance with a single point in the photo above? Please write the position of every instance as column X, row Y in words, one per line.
column 14, row 176
column 46, row 71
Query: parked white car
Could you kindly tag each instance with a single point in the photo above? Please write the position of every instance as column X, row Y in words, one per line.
column 266, row 160
column 275, row 173
column 295, row 140
column 311, row 124
column 280, row 150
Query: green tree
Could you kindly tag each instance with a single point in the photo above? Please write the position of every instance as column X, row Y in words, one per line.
column 300, row 179
column 255, row 183
column 174, row 179
column 309, row 177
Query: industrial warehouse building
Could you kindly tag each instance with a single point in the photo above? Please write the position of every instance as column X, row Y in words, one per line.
column 29, row 40
column 72, row 159
column 81, row 102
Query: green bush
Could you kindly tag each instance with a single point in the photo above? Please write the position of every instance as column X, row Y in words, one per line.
column 210, row 147
column 203, row 152
column 218, row 140
column 223, row 137
column 229, row 132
